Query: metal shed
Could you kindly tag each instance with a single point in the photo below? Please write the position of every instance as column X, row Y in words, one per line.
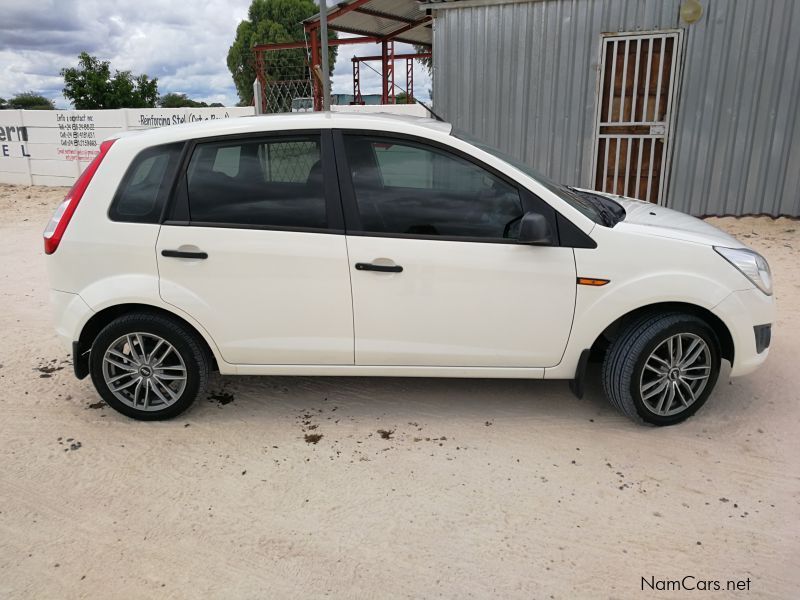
column 627, row 96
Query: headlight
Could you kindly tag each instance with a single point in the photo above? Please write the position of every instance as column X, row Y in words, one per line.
column 751, row 264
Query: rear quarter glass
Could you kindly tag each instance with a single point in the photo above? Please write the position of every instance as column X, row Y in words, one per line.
column 146, row 185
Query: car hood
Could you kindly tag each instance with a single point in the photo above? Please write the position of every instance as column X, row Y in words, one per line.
column 650, row 219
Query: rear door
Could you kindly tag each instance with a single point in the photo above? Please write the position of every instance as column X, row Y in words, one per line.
column 254, row 249
column 438, row 277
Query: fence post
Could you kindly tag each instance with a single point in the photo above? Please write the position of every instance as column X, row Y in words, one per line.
column 258, row 97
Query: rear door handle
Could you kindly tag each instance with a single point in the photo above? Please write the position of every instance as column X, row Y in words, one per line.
column 383, row 268
column 184, row 254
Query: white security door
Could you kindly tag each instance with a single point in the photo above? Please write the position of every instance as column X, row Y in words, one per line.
column 257, row 265
column 638, row 79
column 437, row 277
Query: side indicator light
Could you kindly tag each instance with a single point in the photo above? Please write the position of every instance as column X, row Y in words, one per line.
column 592, row 281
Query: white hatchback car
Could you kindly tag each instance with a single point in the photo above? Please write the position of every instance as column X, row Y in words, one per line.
column 341, row 244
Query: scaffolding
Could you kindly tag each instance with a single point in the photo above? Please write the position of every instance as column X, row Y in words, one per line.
column 387, row 97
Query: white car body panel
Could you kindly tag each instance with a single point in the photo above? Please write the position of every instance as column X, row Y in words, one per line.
column 459, row 309
column 740, row 311
column 651, row 220
column 266, row 297
column 461, row 304
column 692, row 274
column 70, row 314
column 389, row 371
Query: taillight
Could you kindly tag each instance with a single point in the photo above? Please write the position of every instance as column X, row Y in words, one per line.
column 58, row 224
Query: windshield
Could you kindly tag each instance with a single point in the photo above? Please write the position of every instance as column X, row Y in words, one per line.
column 569, row 195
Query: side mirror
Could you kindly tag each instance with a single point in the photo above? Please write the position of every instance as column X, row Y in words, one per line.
column 535, row 230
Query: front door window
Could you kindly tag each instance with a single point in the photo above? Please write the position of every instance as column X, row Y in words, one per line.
column 403, row 187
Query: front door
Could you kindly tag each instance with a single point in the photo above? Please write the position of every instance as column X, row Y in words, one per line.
column 638, row 79
column 255, row 251
column 437, row 277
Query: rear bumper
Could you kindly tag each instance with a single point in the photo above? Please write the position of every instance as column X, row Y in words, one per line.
column 70, row 313
column 744, row 313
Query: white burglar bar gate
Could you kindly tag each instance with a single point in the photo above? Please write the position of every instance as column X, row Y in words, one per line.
column 638, row 78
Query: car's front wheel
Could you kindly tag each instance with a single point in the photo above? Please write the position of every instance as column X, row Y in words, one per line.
column 662, row 368
column 148, row 366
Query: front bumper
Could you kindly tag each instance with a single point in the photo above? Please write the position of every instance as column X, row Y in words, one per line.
column 744, row 313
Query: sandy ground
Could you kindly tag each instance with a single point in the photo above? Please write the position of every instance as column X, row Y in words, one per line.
column 483, row 489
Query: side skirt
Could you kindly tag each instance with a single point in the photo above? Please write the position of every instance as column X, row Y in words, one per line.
column 389, row 371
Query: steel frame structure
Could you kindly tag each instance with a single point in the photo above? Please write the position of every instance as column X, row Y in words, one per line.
column 386, row 41
column 409, row 89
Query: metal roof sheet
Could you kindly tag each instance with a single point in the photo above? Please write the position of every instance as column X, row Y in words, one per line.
column 381, row 18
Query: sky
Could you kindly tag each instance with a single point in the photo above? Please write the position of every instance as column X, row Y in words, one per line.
column 184, row 44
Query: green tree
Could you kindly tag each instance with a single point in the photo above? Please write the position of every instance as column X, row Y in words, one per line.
column 90, row 85
column 428, row 62
column 30, row 101
column 403, row 98
column 271, row 21
column 3, row 104
column 175, row 100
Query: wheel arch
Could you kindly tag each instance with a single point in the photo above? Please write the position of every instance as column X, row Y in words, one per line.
column 727, row 349
column 100, row 319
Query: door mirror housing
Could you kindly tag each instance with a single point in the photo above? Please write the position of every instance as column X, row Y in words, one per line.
column 534, row 229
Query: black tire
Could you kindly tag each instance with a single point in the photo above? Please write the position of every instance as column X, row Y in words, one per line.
column 185, row 342
column 627, row 354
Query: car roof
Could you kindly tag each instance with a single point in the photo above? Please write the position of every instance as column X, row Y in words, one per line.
column 289, row 121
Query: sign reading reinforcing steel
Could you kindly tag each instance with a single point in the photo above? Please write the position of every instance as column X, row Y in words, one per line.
column 52, row 147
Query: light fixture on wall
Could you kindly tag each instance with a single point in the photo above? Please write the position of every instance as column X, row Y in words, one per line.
column 691, row 11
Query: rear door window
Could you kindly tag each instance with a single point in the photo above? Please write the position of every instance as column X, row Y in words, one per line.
column 146, row 185
column 272, row 182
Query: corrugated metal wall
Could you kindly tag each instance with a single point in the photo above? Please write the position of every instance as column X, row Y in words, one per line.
column 523, row 76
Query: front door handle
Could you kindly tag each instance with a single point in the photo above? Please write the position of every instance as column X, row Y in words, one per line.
column 184, row 254
column 382, row 268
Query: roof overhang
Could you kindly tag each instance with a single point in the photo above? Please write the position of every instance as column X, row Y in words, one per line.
column 446, row 4
column 385, row 20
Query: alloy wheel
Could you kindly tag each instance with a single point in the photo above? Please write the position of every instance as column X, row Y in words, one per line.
column 144, row 371
column 675, row 374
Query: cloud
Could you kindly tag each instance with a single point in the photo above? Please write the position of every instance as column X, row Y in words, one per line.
column 184, row 44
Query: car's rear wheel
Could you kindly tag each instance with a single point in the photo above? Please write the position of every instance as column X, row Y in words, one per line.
column 662, row 368
column 148, row 366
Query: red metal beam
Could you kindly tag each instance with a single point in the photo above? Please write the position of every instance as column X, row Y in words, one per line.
column 396, row 56
column 409, row 81
column 387, row 59
column 379, row 39
column 342, row 10
column 357, row 98
column 298, row 45
column 408, row 27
